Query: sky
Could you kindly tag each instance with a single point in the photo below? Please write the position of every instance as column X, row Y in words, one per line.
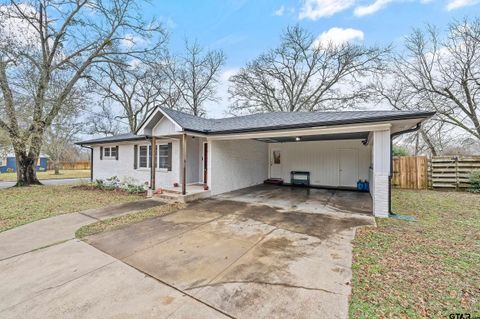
column 243, row 29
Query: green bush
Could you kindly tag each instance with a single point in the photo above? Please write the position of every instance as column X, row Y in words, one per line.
column 114, row 182
column 399, row 151
column 475, row 181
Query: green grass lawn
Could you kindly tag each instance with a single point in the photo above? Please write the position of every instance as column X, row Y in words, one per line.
column 428, row 268
column 22, row 205
column 124, row 220
column 77, row 173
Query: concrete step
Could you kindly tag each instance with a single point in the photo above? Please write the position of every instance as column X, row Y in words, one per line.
column 179, row 198
column 172, row 191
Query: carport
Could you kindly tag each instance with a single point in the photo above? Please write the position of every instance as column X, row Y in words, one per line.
column 333, row 149
column 291, row 199
column 335, row 158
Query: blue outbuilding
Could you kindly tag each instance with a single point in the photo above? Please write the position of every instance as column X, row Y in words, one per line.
column 9, row 164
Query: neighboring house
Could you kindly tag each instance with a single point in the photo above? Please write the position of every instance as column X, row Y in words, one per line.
column 336, row 148
column 9, row 164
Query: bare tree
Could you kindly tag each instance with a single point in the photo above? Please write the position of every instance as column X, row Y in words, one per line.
column 104, row 121
column 303, row 74
column 444, row 74
column 137, row 88
column 58, row 137
column 58, row 39
column 195, row 75
column 388, row 87
column 132, row 88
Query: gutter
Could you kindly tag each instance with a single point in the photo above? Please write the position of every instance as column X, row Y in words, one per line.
column 93, row 142
column 392, row 136
column 419, row 115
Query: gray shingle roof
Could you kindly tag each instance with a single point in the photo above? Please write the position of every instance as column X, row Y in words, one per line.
column 269, row 121
column 281, row 120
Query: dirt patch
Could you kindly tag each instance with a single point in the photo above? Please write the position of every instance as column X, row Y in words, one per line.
column 87, row 187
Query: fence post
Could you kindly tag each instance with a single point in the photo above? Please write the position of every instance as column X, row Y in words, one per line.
column 429, row 173
column 457, row 180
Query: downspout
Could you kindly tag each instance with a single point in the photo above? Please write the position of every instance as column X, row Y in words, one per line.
column 91, row 161
column 392, row 136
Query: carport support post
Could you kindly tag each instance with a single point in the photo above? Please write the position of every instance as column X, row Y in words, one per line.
column 184, row 164
column 381, row 173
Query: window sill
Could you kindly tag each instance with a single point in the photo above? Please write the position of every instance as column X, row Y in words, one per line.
column 160, row 170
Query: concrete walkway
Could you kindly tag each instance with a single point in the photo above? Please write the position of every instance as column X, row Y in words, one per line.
column 46, row 273
column 60, row 228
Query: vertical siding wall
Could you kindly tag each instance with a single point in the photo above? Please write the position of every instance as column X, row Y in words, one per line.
column 194, row 159
column 381, row 172
column 123, row 167
column 320, row 158
column 236, row 164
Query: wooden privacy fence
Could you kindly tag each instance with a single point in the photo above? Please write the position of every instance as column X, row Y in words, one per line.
column 70, row 165
column 439, row 172
column 410, row 172
column 452, row 171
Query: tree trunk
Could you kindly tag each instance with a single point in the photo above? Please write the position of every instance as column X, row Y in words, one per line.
column 428, row 141
column 56, row 167
column 26, row 169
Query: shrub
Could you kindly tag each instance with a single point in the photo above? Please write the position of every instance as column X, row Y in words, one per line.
column 475, row 181
column 113, row 183
column 399, row 151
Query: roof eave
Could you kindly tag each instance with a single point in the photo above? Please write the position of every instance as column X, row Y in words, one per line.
column 93, row 142
column 423, row 116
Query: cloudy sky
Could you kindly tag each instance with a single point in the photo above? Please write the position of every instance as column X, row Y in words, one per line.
column 244, row 29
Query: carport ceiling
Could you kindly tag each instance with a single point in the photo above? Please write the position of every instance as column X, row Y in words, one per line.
column 323, row 137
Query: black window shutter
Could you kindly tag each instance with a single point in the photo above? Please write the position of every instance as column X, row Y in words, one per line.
column 169, row 162
column 117, row 153
column 149, row 156
column 135, row 156
column 101, row 152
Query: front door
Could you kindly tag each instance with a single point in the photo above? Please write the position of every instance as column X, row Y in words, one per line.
column 276, row 164
column 205, row 162
column 347, row 167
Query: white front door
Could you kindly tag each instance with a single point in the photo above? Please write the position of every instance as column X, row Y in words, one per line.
column 347, row 167
column 275, row 163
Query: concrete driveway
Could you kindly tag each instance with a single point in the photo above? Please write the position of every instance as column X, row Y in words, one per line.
column 218, row 258
column 45, row 273
column 246, row 259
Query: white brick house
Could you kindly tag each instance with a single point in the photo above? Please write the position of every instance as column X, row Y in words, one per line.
column 336, row 149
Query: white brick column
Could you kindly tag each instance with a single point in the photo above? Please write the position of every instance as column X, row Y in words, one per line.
column 381, row 171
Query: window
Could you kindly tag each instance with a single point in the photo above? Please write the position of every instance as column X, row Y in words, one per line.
column 163, row 156
column 143, row 156
column 110, row 152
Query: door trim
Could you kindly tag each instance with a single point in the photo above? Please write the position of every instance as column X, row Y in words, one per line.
column 271, row 161
column 355, row 151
